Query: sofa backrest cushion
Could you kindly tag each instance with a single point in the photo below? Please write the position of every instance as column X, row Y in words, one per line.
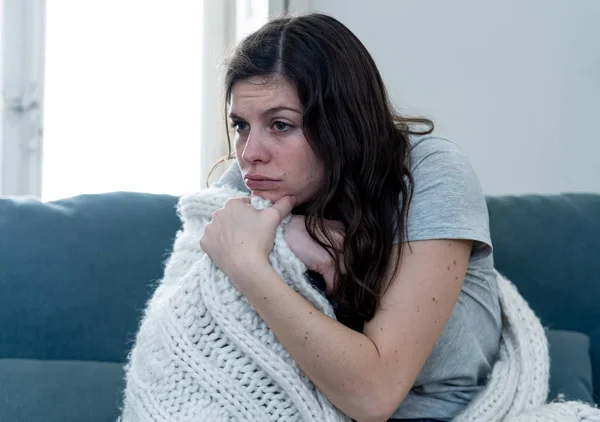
column 75, row 274
column 549, row 246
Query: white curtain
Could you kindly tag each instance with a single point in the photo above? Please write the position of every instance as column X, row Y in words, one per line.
column 219, row 35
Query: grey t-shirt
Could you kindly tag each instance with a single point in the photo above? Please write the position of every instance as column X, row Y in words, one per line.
column 448, row 203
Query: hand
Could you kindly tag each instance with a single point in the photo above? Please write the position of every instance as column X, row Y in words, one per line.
column 239, row 237
column 313, row 255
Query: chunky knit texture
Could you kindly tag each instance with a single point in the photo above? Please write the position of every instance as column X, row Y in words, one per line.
column 202, row 353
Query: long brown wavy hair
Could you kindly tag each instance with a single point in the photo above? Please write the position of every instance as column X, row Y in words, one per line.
column 353, row 129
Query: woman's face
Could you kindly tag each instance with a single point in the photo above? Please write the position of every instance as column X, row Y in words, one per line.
column 273, row 154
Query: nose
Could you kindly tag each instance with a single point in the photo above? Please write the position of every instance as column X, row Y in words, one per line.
column 255, row 149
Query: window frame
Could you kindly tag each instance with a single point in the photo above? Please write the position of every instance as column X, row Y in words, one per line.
column 22, row 110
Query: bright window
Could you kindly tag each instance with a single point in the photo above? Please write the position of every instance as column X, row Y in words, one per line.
column 122, row 97
column 250, row 15
column 123, row 94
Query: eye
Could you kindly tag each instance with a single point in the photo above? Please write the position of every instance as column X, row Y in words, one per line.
column 239, row 125
column 281, row 126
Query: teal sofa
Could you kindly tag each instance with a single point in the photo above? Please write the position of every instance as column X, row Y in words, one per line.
column 75, row 275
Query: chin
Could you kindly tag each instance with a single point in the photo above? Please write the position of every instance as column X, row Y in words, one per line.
column 272, row 196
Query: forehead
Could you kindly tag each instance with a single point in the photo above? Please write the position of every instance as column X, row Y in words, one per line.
column 263, row 93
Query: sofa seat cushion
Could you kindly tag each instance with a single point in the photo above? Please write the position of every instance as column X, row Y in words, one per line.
column 60, row 391
column 38, row 390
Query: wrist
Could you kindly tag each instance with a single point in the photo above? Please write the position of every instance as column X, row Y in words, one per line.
column 247, row 272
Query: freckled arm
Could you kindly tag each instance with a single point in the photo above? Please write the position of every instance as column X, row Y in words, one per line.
column 367, row 375
column 337, row 359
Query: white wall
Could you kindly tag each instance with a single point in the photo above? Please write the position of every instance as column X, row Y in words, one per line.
column 515, row 83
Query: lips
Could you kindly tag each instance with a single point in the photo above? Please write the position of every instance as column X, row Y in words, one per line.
column 259, row 183
column 262, row 184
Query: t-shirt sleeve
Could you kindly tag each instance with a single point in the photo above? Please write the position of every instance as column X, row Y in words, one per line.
column 448, row 201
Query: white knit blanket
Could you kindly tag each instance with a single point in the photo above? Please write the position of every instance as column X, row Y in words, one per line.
column 202, row 353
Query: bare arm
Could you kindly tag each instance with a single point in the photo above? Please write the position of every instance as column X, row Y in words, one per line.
column 367, row 375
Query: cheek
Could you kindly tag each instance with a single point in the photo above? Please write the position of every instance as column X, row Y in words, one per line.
column 237, row 147
column 317, row 177
column 304, row 165
column 311, row 171
column 316, row 166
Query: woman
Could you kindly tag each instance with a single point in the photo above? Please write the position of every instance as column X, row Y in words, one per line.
column 393, row 218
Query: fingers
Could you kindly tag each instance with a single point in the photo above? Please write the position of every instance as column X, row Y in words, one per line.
column 241, row 199
column 284, row 205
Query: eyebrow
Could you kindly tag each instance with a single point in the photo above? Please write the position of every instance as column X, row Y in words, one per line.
column 268, row 112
